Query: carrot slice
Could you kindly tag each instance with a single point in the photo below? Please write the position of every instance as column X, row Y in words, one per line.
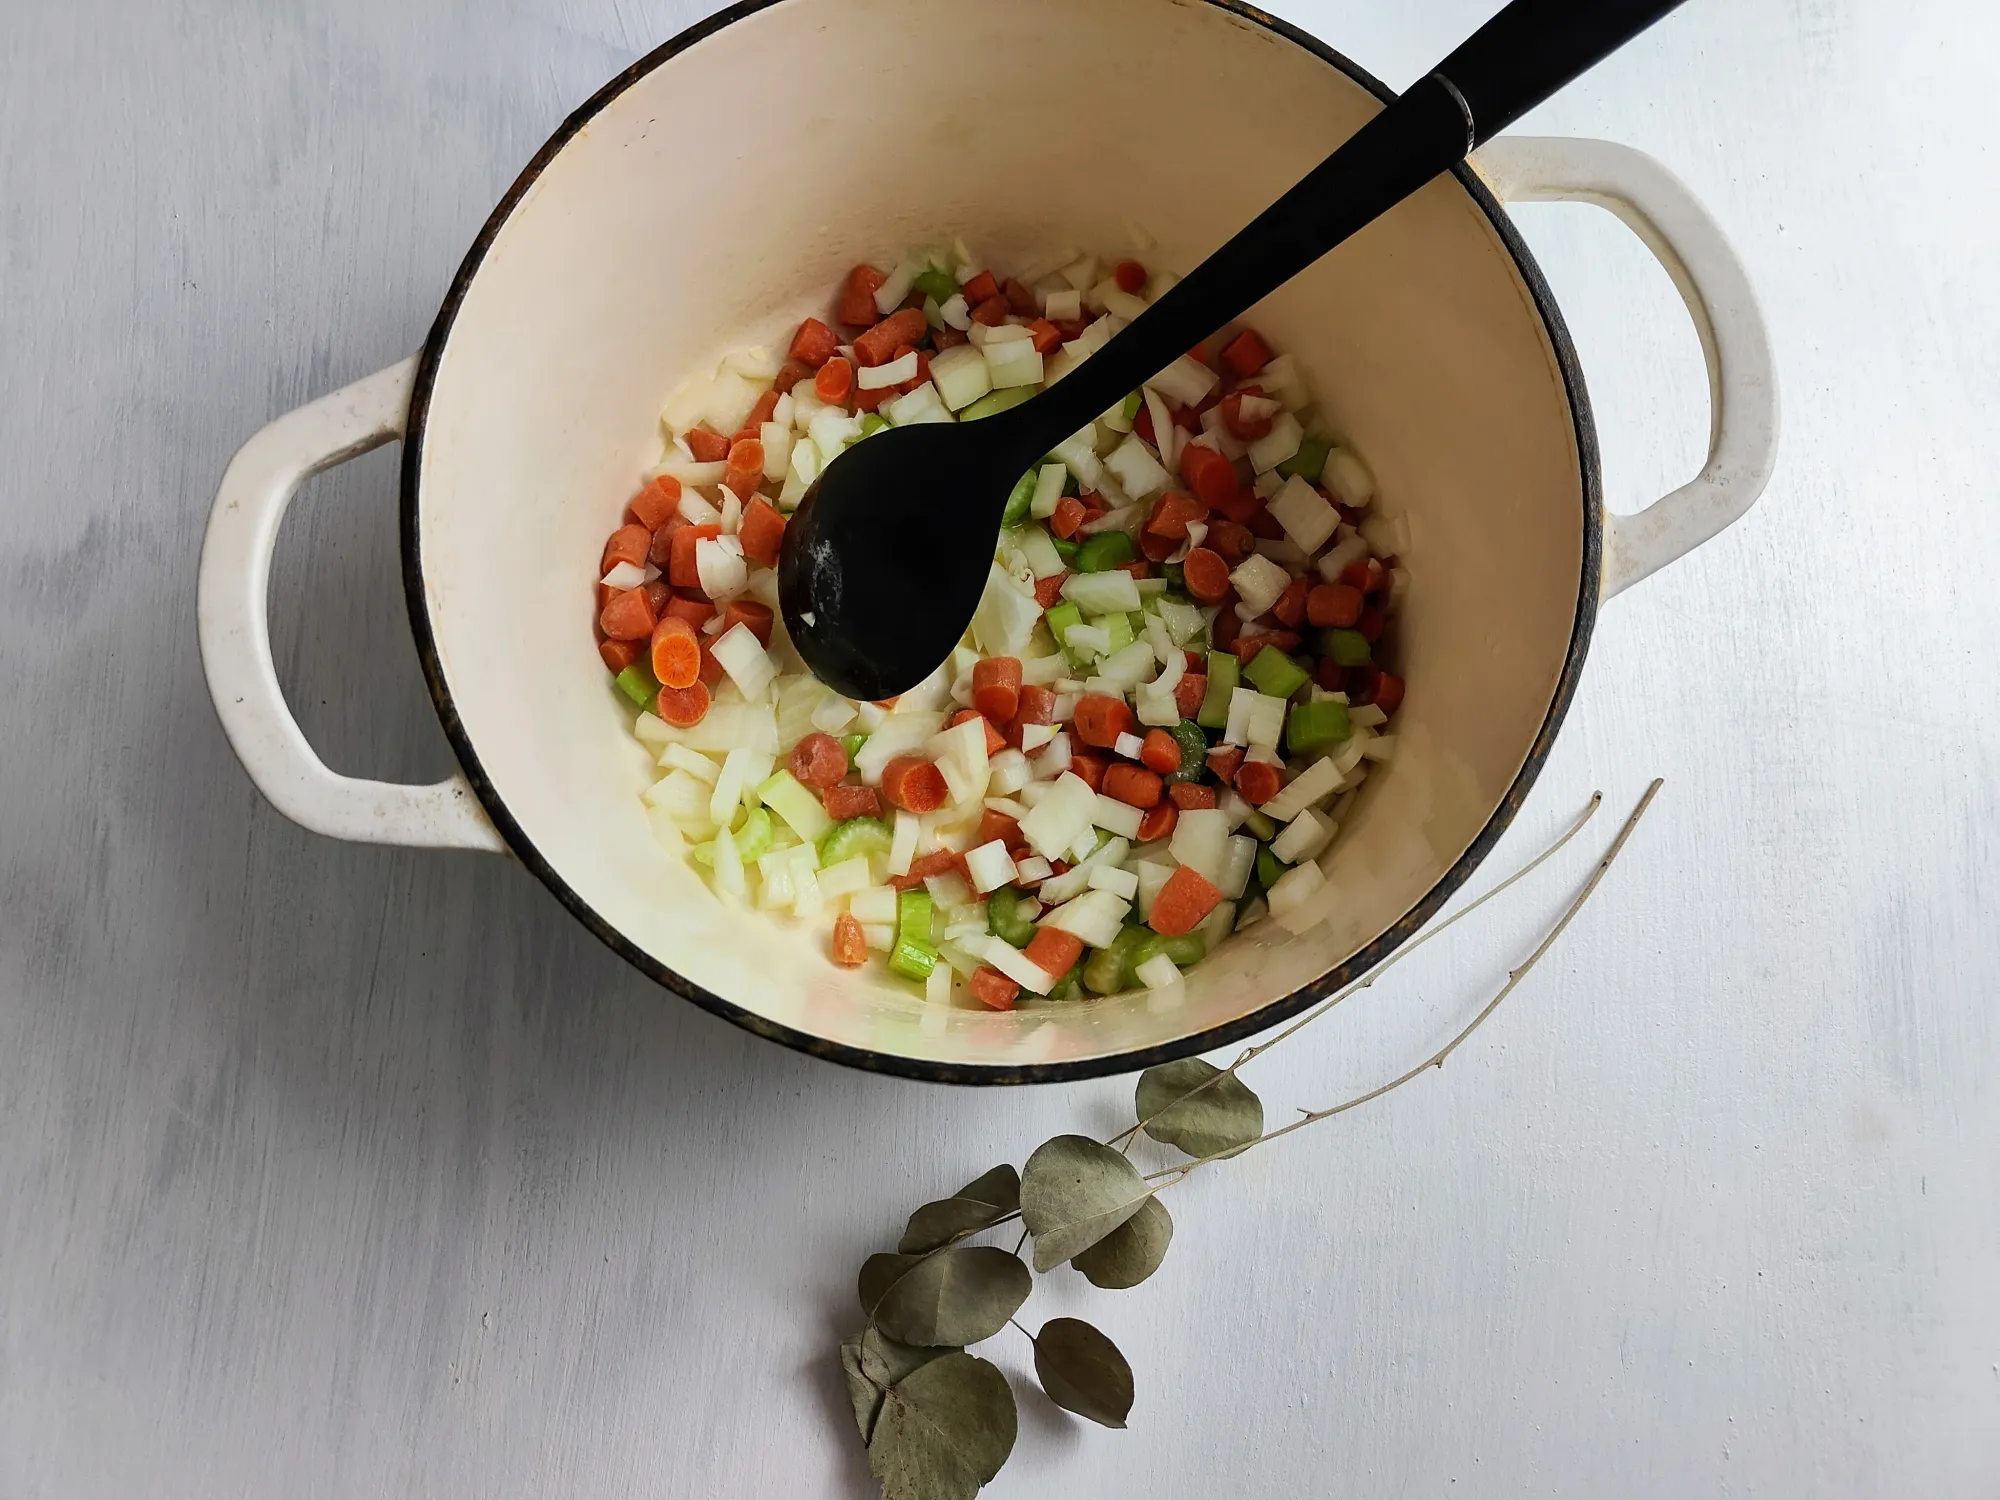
column 1089, row 767
column 1243, row 429
column 996, row 687
column 1053, row 950
column 1225, row 761
column 835, row 382
column 818, row 761
column 844, row 802
column 752, row 612
column 991, row 313
column 657, row 503
column 1135, row 786
column 1183, row 904
column 813, row 344
column 1161, row 752
column 1189, row 693
column 1172, row 513
column 1101, row 718
column 1130, row 276
column 850, row 943
column 1038, row 706
column 997, row 825
column 1020, row 299
column 1246, row 355
column 1048, row 338
column 746, row 467
column 618, row 655
column 913, row 784
column 878, row 345
column 1210, row 475
column 676, row 653
column 1068, row 516
column 762, row 532
column 1291, row 606
column 995, row 740
column 753, row 425
column 857, row 297
column 1206, row 575
column 944, row 862
column 684, row 707
column 1257, row 782
column 1336, row 604
column 661, row 553
column 628, row 544
column 1191, row 796
column 681, row 570
column 628, row 617
column 981, row 287
column 992, row 989
column 707, row 447
column 1159, row 821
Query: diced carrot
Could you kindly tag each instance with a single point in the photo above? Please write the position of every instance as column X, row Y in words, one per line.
column 1139, row 567
column 676, row 653
column 711, row 669
column 628, row 544
column 1130, row 276
column 753, row 425
column 657, row 503
column 1048, row 591
column 996, row 687
column 1206, row 574
column 991, row 313
column 618, row 655
column 992, row 989
column 684, row 707
column 1068, row 516
column 1071, row 329
column 681, row 570
column 1048, row 338
column 1161, row 752
column 1157, row 548
column 878, row 345
column 997, row 825
column 1089, row 768
column 1240, row 505
column 1362, row 574
column 752, row 612
column 995, row 740
column 746, row 467
column 762, row 532
column 1371, row 624
column 1212, row 476
column 913, row 784
column 1158, row 821
column 1244, row 430
column 835, row 382
column 844, row 802
column 696, row 612
column 1388, row 692
column 1101, row 718
column 948, row 337
column 658, row 595
column 1133, row 785
column 790, row 373
column 1143, row 425
column 923, row 375
column 857, row 297
column 707, row 447
column 1229, row 540
column 1189, row 693
column 1246, row 355
column 1021, row 299
column 661, row 553
column 1330, row 675
column 1334, row 604
column 1038, row 706
column 1251, row 642
column 943, row 862
column 850, row 943
column 818, row 761
column 628, row 617
column 1191, row 796
column 1053, row 951
column 981, row 287
column 1224, row 761
column 1263, row 525
column 1228, row 625
column 1257, row 782
column 814, row 343
column 1172, row 513
column 1291, row 604
column 875, row 400
column 1183, row 904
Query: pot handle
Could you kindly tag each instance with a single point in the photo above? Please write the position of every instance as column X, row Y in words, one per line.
column 232, row 605
column 1742, row 380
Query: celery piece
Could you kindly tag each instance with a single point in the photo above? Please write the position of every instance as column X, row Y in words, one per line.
column 1070, row 986
column 1345, row 648
column 1110, row 969
column 797, row 806
column 636, row 683
column 852, row 744
column 1132, row 404
column 855, row 836
column 941, row 287
column 1186, row 951
column 753, row 839
column 1061, row 617
column 1194, row 750
column 1224, row 672
column 872, row 424
column 1275, row 674
column 1066, row 549
column 1105, row 551
column 1004, row 919
column 1314, row 726
column 911, row 961
column 1176, row 577
column 999, row 401
column 1260, row 827
column 1120, row 627
column 1018, row 502
column 915, row 954
column 1269, row 868
column 1308, row 461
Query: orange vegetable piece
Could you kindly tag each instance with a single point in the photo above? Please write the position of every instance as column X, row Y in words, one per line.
column 1207, row 576
column 835, row 382
column 1068, row 516
column 844, row 802
column 1135, row 786
column 1101, row 718
column 992, row 989
column 746, row 467
column 1038, row 706
column 657, row 503
column 1258, row 782
column 878, row 345
column 628, row 544
column 813, row 344
column 676, row 653
column 1189, row 693
column 1048, row 338
column 818, row 761
column 1388, row 694
column 1020, row 299
column 1245, row 355
column 1159, row 821
column 1053, row 951
column 850, row 943
column 995, row 740
column 980, row 288
column 1291, row 606
column 992, row 312
column 681, row 570
column 1183, row 904
column 697, row 612
column 707, row 447
column 1225, row 761
column 628, row 617
column 1161, row 752
column 1130, row 276
column 997, row 825
column 618, row 655
column 1244, row 430
column 857, row 297
column 1210, row 475
column 684, row 707
column 913, row 784
column 1190, row 796
column 752, row 612
column 996, row 687
column 1172, row 513
column 1088, row 767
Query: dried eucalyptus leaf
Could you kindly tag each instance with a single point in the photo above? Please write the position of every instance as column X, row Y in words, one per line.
column 1222, row 1116
column 955, row 1297
column 1074, row 1192
column 863, row 1392
column 884, row 1361
column 944, row 1431
column 1131, row 1252
column 878, row 1274
column 972, row 1207
column 1083, row 1371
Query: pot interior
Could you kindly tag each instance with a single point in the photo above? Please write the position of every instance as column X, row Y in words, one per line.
column 718, row 199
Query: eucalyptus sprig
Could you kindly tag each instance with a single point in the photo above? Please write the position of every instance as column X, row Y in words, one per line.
column 938, row 1422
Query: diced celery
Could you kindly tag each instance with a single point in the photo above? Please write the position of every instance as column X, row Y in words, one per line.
column 1004, row 919
column 1186, row 951
column 753, row 838
column 1018, row 502
column 872, row 424
column 1258, row 826
column 1061, row 617
column 1105, row 551
column 1308, row 461
column 797, row 806
column 1132, row 404
column 1194, row 750
column 1067, row 548
column 636, row 682
column 1224, row 671
column 915, row 953
column 1275, row 674
column 1345, row 648
column 1120, row 627
column 942, row 286
column 1314, row 726
column 855, row 836
column 1070, row 986
column 852, row 744
column 995, row 403
column 911, row 961
column 1109, row 970
column 1269, row 868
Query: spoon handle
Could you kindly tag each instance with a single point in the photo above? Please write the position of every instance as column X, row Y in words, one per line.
column 1512, row 63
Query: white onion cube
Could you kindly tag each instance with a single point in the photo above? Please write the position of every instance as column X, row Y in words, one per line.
column 1307, row 518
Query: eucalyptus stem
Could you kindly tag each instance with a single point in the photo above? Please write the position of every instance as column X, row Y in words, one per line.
column 1437, row 1059
column 1127, row 1137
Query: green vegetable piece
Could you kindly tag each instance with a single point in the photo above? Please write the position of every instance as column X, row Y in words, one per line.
column 911, row 961
column 855, row 836
column 1060, row 618
column 1259, row 827
column 1176, row 576
column 1194, row 751
column 1269, row 867
column 941, row 287
column 1004, row 919
column 1224, row 672
column 999, row 401
column 636, row 682
column 703, row 854
column 1314, row 726
column 852, row 745
column 1120, row 627
column 1274, row 673
column 1066, row 549
column 1132, row 404
column 1105, row 551
column 872, row 424
column 1070, row 986
column 1185, row 951
column 1019, row 501
column 1345, row 648
column 914, row 955
column 753, row 839
column 1109, row 970
column 1308, row 461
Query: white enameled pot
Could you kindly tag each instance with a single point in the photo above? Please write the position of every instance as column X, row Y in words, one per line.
column 714, row 194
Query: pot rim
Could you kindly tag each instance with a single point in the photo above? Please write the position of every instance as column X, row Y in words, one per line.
column 927, row 1070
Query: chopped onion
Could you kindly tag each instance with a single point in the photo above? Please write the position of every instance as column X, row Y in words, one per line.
column 1242, row 859
column 1105, row 593
column 732, row 513
column 1035, row 736
column 1351, row 548
column 1314, row 784
column 1280, row 378
column 832, row 430
column 1120, row 818
column 681, row 796
column 919, row 406
column 903, row 842
column 1283, row 442
column 1007, row 614
column 1129, row 746
column 1303, row 838
column 777, row 441
column 1054, row 825
column 877, row 903
column 1153, row 875
column 1267, row 722
column 1216, row 433
column 960, row 753
column 1048, row 491
column 1185, row 382
column 1016, row 362
column 741, row 770
column 1258, row 582
column 1064, row 306
column 1349, row 478
column 990, row 867
column 961, row 376
column 1007, row 772
column 1039, row 550
column 730, row 725
column 729, row 881
column 1108, row 295
column 956, row 313
column 1166, row 435
column 889, row 296
column 833, row 715
column 1032, row 871
column 1081, row 273
column 880, row 377
column 898, row 734
column 1119, row 882
column 1201, row 842
column 1078, row 453
column 1308, row 520
column 624, row 576
column 739, row 653
column 1015, row 964
column 1291, row 900
column 723, row 571
column 1053, row 760
column 1158, row 973
column 845, row 878
column 1095, row 916
column 697, row 511
column 1137, row 469
column 1125, row 518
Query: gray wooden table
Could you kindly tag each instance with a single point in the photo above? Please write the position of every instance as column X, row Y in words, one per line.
column 339, row 1172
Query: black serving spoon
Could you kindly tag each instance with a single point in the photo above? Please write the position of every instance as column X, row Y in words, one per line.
column 885, row 561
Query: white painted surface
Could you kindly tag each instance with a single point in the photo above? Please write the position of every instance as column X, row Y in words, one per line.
column 348, row 1172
